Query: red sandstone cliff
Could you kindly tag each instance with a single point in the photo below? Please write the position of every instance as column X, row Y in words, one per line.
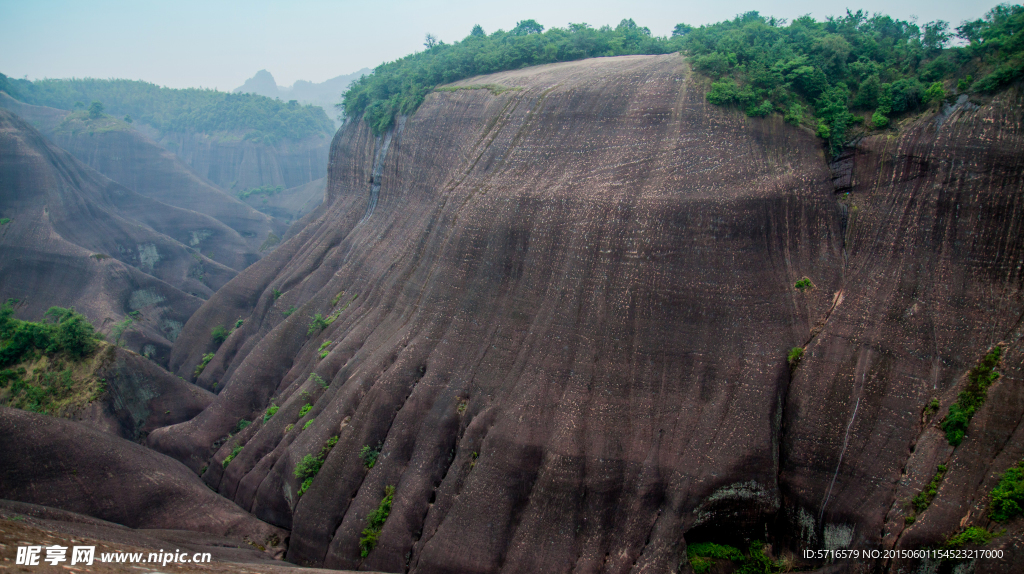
column 564, row 313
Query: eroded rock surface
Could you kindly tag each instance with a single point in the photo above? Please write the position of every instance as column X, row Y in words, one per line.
column 563, row 313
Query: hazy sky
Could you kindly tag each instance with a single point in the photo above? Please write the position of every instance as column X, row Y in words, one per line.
column 221, row 43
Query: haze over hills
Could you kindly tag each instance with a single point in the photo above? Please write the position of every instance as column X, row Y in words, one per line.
column 326, row 94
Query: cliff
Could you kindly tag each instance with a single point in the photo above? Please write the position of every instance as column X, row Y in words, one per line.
column 73, row 238
column 562, row 313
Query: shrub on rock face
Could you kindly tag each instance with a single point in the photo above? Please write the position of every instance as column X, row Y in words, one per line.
column 1008, row 497
column 795, row 354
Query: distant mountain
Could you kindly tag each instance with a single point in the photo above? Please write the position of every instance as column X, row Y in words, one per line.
column 325, row 94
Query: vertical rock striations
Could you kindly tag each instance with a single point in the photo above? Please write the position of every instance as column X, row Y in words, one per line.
column 565, row 325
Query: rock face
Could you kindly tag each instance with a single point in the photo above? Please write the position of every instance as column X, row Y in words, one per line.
column 130, row 158
column 291, row 204
column 139, row 396
column 66, row 465
column 236, row 164
column 562, row 314
column 77, row 239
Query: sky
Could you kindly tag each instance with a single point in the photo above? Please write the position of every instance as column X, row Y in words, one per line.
column 221, row 43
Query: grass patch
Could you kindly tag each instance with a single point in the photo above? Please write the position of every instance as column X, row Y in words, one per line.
column 375, row 522
column 202, row 364
column 310, row 465
column 980, row 378
column 231, row 457
column 1008, row 495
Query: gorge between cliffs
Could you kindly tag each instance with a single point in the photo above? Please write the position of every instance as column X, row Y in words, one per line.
column 549, row 322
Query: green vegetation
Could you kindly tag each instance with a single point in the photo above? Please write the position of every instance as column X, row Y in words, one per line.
column 202, row 364
column 803, row 284
column 219, row 334
column 369, row 455
column 795, row 354
column 238, row 324
column 1008, row 496
column 399, row 87
column 317, row 324
column 337, row 298
column 267, row 190
column 310, row 465
column 818, row 72
column 120, row 328
column 241, row 426
column 319, row 380
column 231, row 457
column 974, row 535
column 288, row 311
column 702, row 556
column 924, row 498
column 271, row 240
column 305, row 409
column 169, row 110
column 64, row 332
column 972, row 397
column 5, row 220
column 271, row 411
column 275, row 293
column 308, row 424
column 323, row 349
column 375, row 522
column 95, row 110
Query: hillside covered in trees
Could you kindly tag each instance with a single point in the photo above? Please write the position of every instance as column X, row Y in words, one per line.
column 262, row 119
column 819, row 73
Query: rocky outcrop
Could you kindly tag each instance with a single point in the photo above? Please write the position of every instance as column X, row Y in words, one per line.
column 563, row 314
column 76, row 239
column 69, row 466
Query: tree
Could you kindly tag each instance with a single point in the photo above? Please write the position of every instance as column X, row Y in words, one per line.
column 681, row 30
column 431, row 41
column 95, row 110
column 527, row 27
column 477, row 32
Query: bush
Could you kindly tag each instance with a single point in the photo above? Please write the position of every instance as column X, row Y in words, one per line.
column 317, row 324
column 202, row 364
column 305, row 409
column 289, row 311
column 231, row 457
column 375, row 522
column 319, row 380
column 5, row 220
column 369, row 455
column 66, row 330
column 1008, row 496
column 308, row 424
column 974, row 535
column 310, row 465
column 795, row 354
column 923, row 500
column 271, row 411
column 803, row 284
column 219, row 334
column 980, row 377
